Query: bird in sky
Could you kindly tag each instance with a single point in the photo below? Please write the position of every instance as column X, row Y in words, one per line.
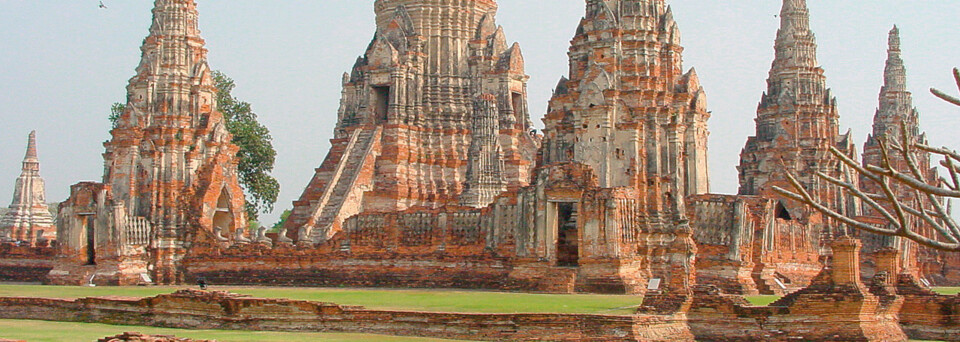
column 102, row 5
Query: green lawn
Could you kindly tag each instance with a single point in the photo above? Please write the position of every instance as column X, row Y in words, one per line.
column 950, row 291
column 42, row 331
column 416, row 300
column 762, row 300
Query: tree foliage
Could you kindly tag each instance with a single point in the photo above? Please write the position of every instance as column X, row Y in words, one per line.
column 283, row 220
column 257, row 156
column 115, row 111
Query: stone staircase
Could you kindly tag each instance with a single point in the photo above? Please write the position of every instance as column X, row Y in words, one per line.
column 346, row 184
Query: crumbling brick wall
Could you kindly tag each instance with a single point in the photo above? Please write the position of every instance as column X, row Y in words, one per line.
column 747, row 245
column 24, row 263
column 216, row 310
column 837, row 306
column 926, row 315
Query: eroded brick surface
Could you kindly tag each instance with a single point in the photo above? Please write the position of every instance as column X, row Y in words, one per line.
column 218, row 310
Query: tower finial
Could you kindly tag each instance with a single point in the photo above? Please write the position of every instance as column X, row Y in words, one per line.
column 796, row 45
column 794, row 13
column 895, row 73
column 30, row 161
column 894, row 40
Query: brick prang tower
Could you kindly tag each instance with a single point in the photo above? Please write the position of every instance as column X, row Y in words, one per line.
column 797, row 124
column 407, row 120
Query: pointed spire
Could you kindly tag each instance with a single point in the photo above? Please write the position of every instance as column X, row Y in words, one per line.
column 31, row 163
column 895, row 74
column 796, row 44
column 896, row 102
column 28, row 213
column 794, row 14
column 173, row 56
column 174, row 45
column 175, row 18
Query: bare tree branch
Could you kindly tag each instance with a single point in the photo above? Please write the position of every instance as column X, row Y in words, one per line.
column 944, row 96
column 908, row 202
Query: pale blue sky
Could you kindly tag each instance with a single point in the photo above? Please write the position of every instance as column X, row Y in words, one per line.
column 63, row 62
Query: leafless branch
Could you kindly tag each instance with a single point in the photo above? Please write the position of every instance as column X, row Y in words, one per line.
column 910, row 217
column 944, row 96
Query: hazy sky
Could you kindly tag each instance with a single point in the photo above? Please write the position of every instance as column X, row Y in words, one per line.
column 63, row 62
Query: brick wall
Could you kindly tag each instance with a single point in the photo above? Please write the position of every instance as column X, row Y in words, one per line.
column 216, row 310
column 25, row 264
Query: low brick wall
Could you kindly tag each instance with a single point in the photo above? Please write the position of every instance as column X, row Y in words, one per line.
column 312, row 268
column 311, row 272
column 818, row 317
column 926, row 315
column 837, row 306
column 216, row 310
column 25, row 264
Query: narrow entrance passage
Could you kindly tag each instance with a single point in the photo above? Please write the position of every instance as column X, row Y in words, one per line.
column 568, row 249
column 381, row 103
column 88, row 222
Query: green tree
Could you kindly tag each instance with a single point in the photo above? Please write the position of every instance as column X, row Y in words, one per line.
column 283, row 220
column 256, row 154
column 115, row 111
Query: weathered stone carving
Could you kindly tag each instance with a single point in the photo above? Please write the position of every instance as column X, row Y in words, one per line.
column 404, row 135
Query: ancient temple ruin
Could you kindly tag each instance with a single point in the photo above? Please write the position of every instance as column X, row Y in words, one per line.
column 435, row 179
column 797, row 124
column 604, row 210
column 629, row 113
column 170, row 170
column 434, row 113
column 29, row 220
column 628, row 110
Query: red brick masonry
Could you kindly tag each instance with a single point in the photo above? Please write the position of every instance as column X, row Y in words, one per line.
column 191, row 309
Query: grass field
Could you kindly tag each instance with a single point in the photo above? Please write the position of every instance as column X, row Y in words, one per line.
column 42, row 331
column 950, row 291
column 393, row 299
column 762, row 300
column 410, row 300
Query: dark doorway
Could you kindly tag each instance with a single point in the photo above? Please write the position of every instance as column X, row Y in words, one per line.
column 568, row 249
column 381, row 103
column 782, row 212
column 516, row 99
column 89, row 222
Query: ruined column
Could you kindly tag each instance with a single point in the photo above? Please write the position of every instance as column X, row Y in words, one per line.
column 846, row 261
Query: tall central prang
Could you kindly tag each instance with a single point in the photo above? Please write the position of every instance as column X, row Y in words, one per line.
column 434, row 113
